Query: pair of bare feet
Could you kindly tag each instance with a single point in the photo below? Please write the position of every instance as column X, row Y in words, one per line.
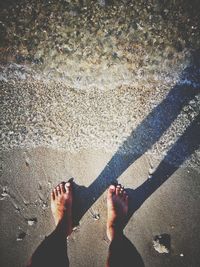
column 117, row 208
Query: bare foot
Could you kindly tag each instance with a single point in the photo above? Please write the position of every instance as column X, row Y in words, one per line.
column 117, row 203
column 61, row 205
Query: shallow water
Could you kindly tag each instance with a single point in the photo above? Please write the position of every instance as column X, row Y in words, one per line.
column 81, row 74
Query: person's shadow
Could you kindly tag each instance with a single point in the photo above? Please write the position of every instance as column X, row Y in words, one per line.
column 156, row 123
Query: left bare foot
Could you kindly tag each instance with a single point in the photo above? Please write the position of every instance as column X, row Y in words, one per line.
column 61, row 205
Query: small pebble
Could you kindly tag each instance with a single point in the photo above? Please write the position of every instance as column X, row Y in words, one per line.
column 21, row 236
column 96, row 217
column 44, row 206
column 27, row 161
column 161, row 243
column 32, row 221
column 3, row 195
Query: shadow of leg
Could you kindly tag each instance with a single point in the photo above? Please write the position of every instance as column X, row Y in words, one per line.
column 122, row 253
column 52, row 251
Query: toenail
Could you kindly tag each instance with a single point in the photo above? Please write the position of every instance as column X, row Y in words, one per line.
column 112, row 187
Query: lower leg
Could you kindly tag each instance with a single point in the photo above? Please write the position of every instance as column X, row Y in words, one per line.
column 122, row 252
column 53, row 250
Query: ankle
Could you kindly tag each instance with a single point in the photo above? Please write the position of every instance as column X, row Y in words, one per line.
column 114, row 232
column 117, row 226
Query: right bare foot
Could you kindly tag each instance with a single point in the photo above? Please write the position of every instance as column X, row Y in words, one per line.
column 117, row 204
column 61, row 206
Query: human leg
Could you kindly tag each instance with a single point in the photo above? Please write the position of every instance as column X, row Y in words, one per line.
column 122, row 252
column 53, row 250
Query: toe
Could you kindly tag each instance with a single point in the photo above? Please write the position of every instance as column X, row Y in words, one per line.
column 68, row 187
column 55, row 192
column 118, row 188
column 52, row 195
column 111, row 190
column 58, row 189
column 124, row 195
column 62, row 187
column 121, row 192
column 126, row 198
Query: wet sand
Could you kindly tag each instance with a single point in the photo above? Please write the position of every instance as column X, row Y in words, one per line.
column 28, row 176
